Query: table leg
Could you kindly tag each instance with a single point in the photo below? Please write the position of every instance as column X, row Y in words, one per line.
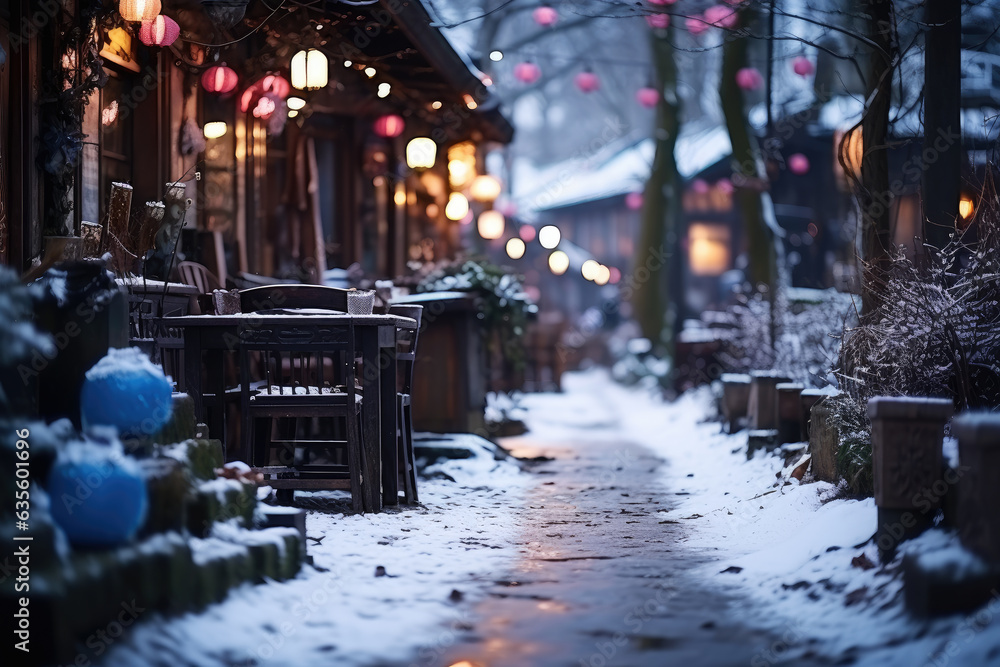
column 370, row 418
column 192, row 370
column 387, row 399
column 215, row 364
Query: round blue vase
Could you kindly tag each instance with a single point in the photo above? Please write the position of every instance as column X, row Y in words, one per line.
column 125, row 390
column 98, row 495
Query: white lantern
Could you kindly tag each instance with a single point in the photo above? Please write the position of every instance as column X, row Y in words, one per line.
column 558, row 262
column 421, row 153
column 590, row 269
column 515, row 248
column 216, row 129
column 485, row 188
column 457, row 207
column 310, row 70
column 491, row 224
column 549, row 236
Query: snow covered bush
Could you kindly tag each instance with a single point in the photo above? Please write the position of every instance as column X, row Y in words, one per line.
column 19, row 340
column 807, row 330
column 635, row 363
column 935, row 332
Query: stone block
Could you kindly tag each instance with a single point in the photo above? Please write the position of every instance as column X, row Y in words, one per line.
column 735, row 396
column 762, row 404
column 948, row 582
column 283, row 517
column 167, row 487
column 789, row 411
column 824, row 439
column 182, row 423
column 978, row 491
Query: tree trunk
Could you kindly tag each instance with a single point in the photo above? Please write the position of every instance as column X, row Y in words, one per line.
column 748, row 174
column 875, row 196
column 658, row 274
column 942, row 130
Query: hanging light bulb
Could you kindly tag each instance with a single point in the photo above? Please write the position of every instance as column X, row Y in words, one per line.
column 310, row 70
column 491, row 225
column 295, row 103
column 384, row 89
column 549, row 236
column 139, row 10
column 216, row 129
column 515, row 248
column 485, row 188
column 590, row 269
column 558, row 262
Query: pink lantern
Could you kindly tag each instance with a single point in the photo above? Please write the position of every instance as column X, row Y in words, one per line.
column 633, row 201
column 527, row 72
column 389, row 126
column 545, row 16
column 161, row 31
column 219, row 79
column 798, row 164
column 587, row 81
column 749, row 78
column 802, row 66
column 721, row 16
column 648, row 97
column 527, row 233
column 272, row 83
column 507, row 208
column 725, row 186
column 662, row 2
column 700, row 186
column 696, row 25
column 658, row 21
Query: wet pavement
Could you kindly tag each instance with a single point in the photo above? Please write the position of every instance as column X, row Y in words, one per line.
column 602, row 579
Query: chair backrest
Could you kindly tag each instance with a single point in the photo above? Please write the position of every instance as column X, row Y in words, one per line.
column 406, row 344
column 197, row 275
column 271, row 297
column 298, row 356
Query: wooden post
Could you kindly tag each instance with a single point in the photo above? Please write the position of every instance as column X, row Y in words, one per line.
column 978, row 483
column 119, row 206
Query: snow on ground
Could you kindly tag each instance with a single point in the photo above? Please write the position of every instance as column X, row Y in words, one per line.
column 340, row 612
column 798, row 554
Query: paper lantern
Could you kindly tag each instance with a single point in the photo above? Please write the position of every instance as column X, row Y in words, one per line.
column 139, row 10
column 696, row 25
column 125, row 390
column 587, row 82
column 549, row 236
column 485, row 188
column 491, row 225
column 527, row 72
column 658, row 21
column 802, row 66
column 558, row 262
column 278, row 85
column 102, row 499
column 545, row 16
column 421, row 153
column 721, row 16
column 389, row 126
column 648, row 97
column 633, row 201
column 219, row 79
column 310, row 70
column 798, row 164
column 527, row 233
column 590, row 269
column 161, row 31
column 457, row 207
column 515, row 248
column 748, row 78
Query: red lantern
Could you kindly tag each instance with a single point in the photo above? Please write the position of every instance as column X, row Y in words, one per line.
column 749, row 78
column 527, row 72
column 633, row 201
column 161, row 31
column 545, row 16
column 696, row 25
column 219, row 79
column 272, row 83
column 802, row 66
column 389, row 126
column 658, row 21
column 798, row 164
column 587, row 82
column 648, row 97
column 721, row 16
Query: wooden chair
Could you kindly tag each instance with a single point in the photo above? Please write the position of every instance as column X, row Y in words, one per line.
column 406, row 354
column 302, row 372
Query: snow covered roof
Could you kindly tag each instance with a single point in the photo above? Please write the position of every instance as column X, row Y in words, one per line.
column 612, row 173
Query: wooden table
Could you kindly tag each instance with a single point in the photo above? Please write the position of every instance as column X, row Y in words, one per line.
column 375, row 339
